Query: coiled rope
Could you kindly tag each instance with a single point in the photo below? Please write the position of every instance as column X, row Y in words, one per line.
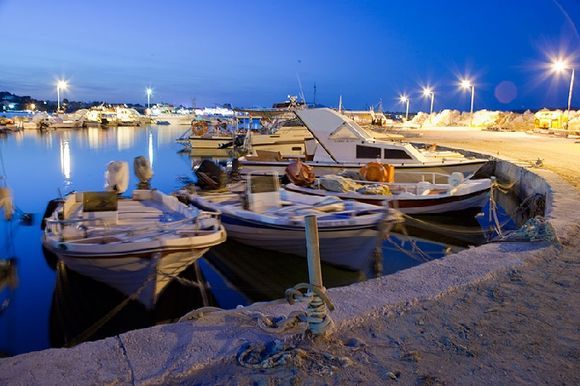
column 534, row 230
column 276, row 354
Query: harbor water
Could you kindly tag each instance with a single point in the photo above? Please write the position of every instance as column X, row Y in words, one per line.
column 48, row 305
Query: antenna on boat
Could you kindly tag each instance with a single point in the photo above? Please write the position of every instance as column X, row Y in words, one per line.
column 340, row 104
column 314, row 97
column 300, row 86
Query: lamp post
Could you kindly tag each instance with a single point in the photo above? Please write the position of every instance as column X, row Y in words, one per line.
column 466, row 84
column 148, row 91
column 405, row 99
column 560, row 65
column 428, row 92
column 60, row 85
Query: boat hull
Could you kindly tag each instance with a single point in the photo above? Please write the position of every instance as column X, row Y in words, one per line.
column 206, row 142
column 144, row 277
column 350, row 247
column 416, row 205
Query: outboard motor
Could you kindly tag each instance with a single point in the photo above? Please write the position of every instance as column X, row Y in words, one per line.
column 210, row 175
column 117, row 176
column 143, row 172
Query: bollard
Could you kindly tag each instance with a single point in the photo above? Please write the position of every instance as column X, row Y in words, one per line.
column 319, row 322
column 313, row 251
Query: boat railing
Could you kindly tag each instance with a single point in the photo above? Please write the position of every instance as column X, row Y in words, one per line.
column 199, row 223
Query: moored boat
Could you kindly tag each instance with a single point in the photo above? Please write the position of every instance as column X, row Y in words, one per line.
column 259, row 214
column 147, row 238
column 410, row 198
column 339, row 143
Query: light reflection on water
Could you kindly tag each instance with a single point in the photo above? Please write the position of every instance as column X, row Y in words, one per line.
column 49, row 300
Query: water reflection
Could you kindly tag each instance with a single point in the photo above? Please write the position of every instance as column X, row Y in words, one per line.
column 65, row 161
column 125, row 137
column 262, row 275
column 150, row 146
column 93, row 137
column 84, row 309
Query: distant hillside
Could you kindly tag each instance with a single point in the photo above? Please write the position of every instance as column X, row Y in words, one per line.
column 12, row 102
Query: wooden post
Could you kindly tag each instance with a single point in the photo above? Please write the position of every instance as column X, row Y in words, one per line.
column 313, row 251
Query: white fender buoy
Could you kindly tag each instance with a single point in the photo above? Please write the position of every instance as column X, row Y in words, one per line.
column 117, row 176
column 455, row 179
column 142, row 169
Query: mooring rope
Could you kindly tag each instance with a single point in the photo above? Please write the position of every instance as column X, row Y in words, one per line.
column 497, row 228
column 276, row 354
column 534, row 230
column 422, row 256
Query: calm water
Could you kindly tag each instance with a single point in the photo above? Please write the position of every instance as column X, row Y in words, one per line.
column 53, row 306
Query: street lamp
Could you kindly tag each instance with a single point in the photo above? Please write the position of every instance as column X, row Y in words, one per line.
column 405, row 99
column 560, row 65
column 428, row 92
column 466, row 84
column 148, row 91
column 60, row 85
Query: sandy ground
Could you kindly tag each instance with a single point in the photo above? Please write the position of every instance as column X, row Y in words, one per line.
column 522, row 327
column 558, row 154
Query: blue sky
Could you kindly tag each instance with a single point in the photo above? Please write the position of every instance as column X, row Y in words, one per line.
column 251, row 53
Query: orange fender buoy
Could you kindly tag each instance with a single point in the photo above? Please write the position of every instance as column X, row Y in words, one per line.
column 377, row 172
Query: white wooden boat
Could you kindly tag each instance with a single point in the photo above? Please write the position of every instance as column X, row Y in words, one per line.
column 274, row 220
column 136, row 244
column 412, row 198
column 288, row 141
column 339, row 143
column 100, row 224
column 206, row 135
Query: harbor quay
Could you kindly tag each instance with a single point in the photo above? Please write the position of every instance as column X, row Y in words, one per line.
column 454, row 320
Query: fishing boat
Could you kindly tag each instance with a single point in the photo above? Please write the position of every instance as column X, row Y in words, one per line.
column 207, row 135
column 258, row 213
column 287, row 141
column 340, row 143
column 100, row 224
column 410, row 198
column 145, row 238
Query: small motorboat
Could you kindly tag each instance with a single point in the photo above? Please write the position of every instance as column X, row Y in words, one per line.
column 135, row 244
column 410, row 198
column 100, row 224
column 338, row 142
column 258, row 213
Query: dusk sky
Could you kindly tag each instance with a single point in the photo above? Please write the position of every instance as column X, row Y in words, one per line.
column 251, row 53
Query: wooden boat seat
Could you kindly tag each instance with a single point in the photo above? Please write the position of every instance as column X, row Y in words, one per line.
column 100, row 205
column 263, row 192
column 99, row 202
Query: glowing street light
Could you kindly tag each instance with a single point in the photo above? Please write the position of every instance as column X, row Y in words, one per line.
column 60, row 85
column 466, row 84
column 428, row 92
column 148, row 91
column 405, row 99
column 560, row 65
